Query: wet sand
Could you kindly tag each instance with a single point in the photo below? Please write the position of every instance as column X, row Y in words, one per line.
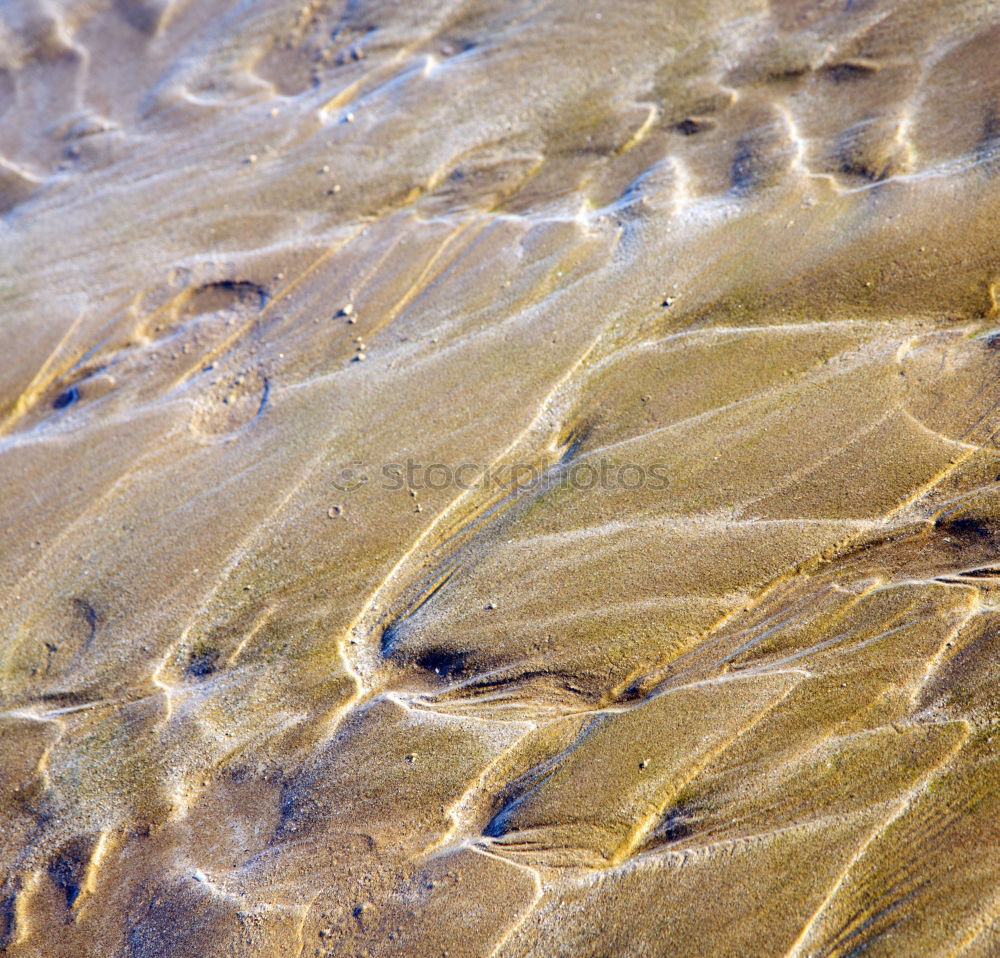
column 499, row 479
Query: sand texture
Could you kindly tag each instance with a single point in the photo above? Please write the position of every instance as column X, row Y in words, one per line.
column 702, row 655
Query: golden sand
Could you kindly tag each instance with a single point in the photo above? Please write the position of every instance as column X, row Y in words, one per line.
column 699, row 653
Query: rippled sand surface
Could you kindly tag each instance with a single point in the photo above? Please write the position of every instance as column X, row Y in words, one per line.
column 268, row 690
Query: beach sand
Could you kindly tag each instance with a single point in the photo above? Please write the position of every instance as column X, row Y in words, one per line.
column 499, row 479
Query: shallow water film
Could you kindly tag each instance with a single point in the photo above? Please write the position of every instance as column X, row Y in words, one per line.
column 499, row 479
